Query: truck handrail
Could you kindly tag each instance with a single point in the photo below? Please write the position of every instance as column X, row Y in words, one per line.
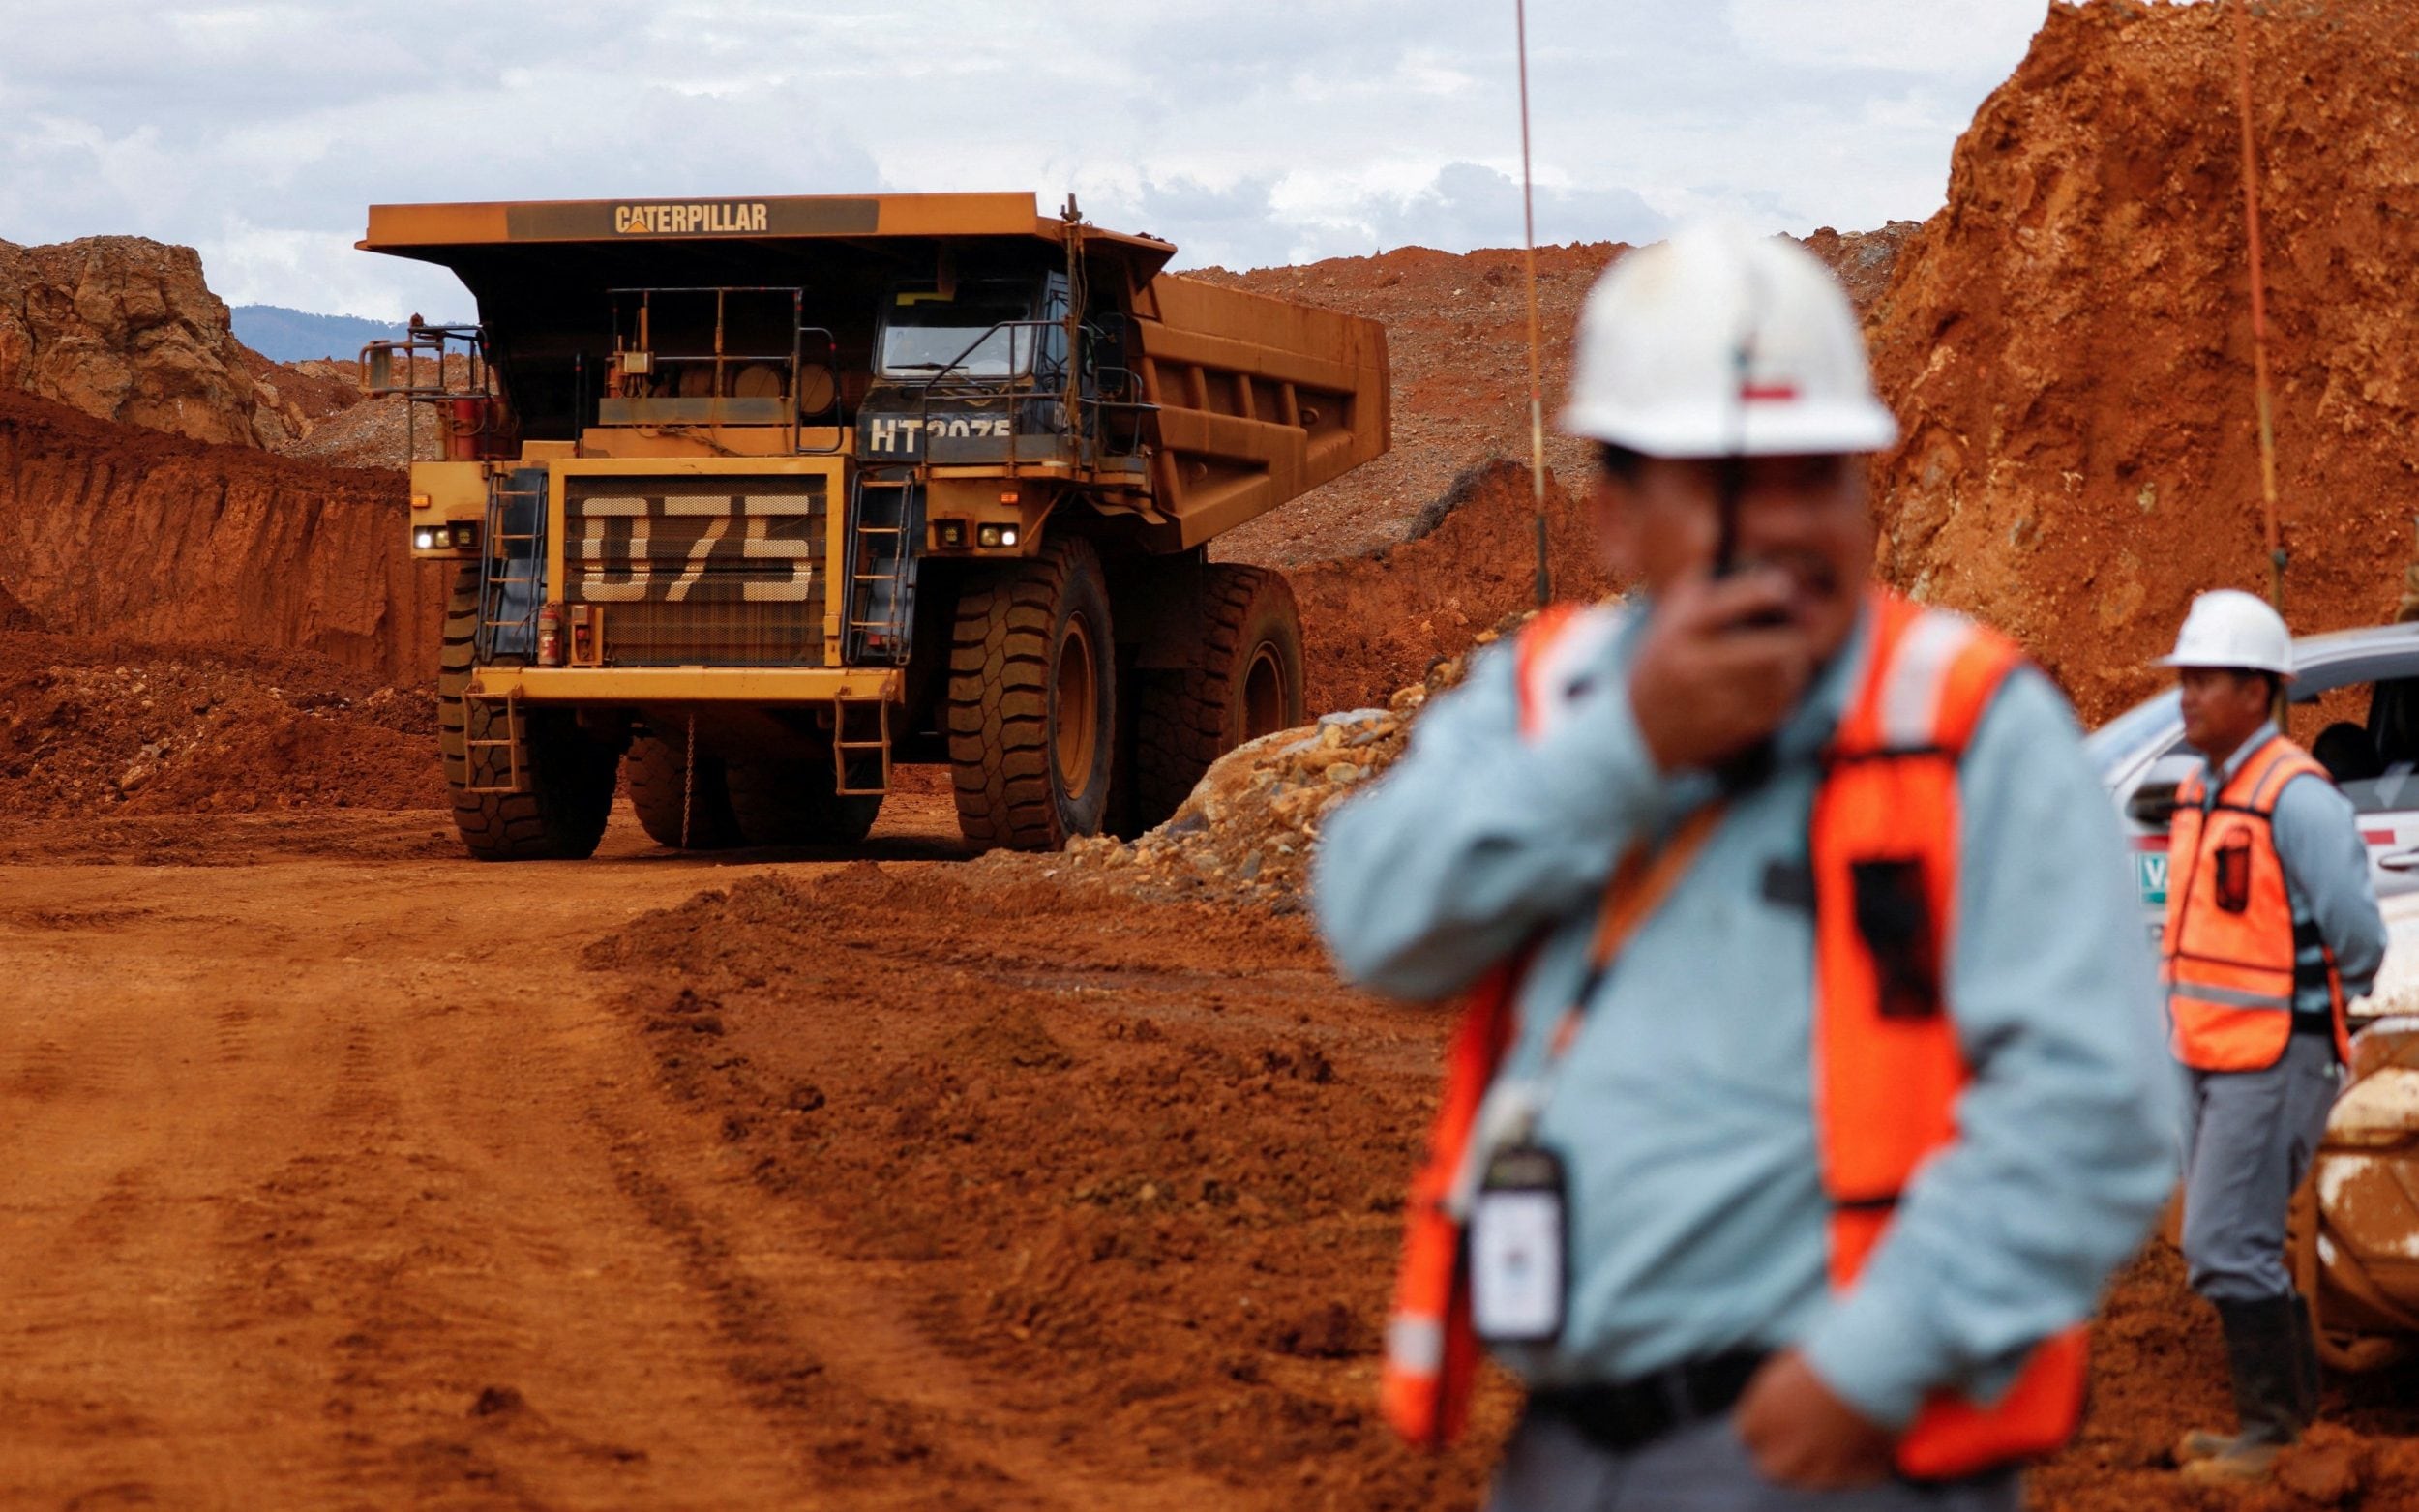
column 1086, row 443
column 376, row 364
column 793, row 362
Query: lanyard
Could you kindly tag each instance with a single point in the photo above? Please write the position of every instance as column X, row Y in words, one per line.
column 1508, row 1113
column 1641, row 882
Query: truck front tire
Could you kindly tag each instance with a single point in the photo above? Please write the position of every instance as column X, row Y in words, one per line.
column 1033, row 701
column 567, row 788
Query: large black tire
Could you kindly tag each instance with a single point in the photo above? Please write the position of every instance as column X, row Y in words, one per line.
column 792, row 803
column 666, row 794
column 1032, row 701
column 1242, row 680
column 569, row 794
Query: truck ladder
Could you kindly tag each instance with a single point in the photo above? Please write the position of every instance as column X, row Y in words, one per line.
column 851, row 749
column 886, row 521
column 511, row 743
column 500, row 606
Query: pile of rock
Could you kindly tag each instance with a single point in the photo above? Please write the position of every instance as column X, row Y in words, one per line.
column 1248, row 829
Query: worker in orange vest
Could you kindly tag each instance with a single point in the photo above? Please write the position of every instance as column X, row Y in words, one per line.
column 1809, row 1082
column 2272, row 922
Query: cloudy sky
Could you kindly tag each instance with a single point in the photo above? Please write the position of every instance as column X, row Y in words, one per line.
column 1249, row 131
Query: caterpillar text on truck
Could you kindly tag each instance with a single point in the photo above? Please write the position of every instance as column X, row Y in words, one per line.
column 751, row 499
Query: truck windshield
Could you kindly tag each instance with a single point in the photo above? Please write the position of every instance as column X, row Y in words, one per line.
column 926, row 333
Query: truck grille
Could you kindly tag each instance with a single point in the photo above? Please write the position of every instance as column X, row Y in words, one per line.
column 718, row 571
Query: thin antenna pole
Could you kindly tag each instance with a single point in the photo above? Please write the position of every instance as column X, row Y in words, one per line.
column 2259, row 309
column 1536, row 371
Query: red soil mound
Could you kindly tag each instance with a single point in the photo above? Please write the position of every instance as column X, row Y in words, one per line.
column 1457, row 331
column 88, row 727
column 2069, row 341
column 1375, row 623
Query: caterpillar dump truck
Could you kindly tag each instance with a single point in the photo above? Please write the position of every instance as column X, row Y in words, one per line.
column 749, row 500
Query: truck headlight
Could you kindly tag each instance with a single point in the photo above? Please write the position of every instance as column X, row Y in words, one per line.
column 426, row 538
column 465, row 536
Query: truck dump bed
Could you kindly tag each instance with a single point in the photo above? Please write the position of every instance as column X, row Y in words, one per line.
column 1260, row 400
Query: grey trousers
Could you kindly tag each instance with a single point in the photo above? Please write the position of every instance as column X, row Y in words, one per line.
column 2248, row 1136
column 1549, row 1466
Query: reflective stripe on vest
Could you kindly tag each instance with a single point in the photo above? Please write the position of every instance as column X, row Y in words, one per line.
column 2229, row 949
column 1886, row 1065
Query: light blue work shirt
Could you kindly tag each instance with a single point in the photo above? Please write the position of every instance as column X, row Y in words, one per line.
column 2326, row 880
column 1683, row 1111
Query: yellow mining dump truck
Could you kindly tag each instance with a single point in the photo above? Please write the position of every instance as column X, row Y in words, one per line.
column 753, row 498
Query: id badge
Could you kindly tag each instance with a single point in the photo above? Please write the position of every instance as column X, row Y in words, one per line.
column 1519, row 1247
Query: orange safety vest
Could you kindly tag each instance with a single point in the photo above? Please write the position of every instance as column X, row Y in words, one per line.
column 1887, row 1066
column 2229, row 942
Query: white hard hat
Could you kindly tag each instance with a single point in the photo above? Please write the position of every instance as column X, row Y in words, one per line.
column 1661, row 339
column 2230, row 628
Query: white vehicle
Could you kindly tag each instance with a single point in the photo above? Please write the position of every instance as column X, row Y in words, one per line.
column 2354, row 1239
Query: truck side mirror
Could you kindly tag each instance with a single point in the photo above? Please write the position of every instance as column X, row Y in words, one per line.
column 378, row 362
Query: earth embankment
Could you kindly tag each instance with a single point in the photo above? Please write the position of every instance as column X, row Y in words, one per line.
column 119, row 531
column 2068, row 341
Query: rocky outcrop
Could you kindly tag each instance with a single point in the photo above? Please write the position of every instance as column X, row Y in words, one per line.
column 124, row 329
column 118, row 531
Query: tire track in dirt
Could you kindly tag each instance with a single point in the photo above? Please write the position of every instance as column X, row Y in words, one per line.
column 831, row 1346
column 306, row 1212
column 1128, row 1174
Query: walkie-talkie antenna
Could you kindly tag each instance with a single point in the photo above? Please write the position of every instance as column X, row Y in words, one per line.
column 1752, row 767
column 1537, row 366
column 1731, row 478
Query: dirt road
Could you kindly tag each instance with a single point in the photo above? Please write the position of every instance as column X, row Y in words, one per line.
column 331, row 1178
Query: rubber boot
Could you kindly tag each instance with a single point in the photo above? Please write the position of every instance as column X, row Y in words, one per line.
column 2263, row 1354
column 2306, row 1381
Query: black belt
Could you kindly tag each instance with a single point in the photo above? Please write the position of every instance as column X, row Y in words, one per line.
column 1635, row 1413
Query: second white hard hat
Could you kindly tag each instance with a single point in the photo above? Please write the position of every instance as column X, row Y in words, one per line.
column 1722, row 342
column 2228, row 627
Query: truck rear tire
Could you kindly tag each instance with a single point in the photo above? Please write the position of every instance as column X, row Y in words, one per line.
column 794, row 803
column 1243, row 680
column 1033, row 701
column 665, row 793
column 560, row 813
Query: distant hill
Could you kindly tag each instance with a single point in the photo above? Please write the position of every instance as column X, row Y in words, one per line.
column 282, row 335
